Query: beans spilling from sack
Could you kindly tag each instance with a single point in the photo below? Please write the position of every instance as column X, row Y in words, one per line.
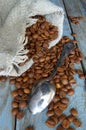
column 39, row 36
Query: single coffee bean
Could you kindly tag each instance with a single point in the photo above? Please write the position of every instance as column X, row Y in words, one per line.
column 20, row 115
column 74, row 112
column 65, row 123
column 62, row 117
column 20, row 92
column 14, row 93
column 56, row 98
column 22, row 104
column 50, row 113
column 70, row 92
column 55, row 119
column 58, row 85
column 77, row 122
column 14, row 111
column 65, row 100
column 59, row 128
column 58, row 111
column 26, row 90
column 50, row 123
column 15, row 104
column 12, row 81
column 51, row 106
column 64, row 81
column 70, row 128
column 70, row 118
column 29, row 128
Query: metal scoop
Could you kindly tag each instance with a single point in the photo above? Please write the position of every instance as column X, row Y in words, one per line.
column 43, row 92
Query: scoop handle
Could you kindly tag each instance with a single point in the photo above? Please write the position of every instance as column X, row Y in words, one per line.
column 65, row 52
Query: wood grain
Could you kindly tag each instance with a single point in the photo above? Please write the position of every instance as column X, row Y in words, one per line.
column 7, row 121
column 77, row 101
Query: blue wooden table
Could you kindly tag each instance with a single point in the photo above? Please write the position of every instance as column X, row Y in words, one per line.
column 78, row 100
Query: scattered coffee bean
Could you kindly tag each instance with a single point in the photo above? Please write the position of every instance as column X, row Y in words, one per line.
column 77, row 122
column 74, row 112
column 65, row 123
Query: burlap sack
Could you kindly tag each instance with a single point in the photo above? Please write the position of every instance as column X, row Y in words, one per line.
column 14, row 16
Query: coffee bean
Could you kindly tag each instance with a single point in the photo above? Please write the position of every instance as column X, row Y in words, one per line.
column 74, row 112
column 14, row 93
column 64, row 81
column 50, row 123
column 58, row 111
column 20, row 115
column 65, row 123
column 70, row 118
column 50, row 113
column 59, row 128
column 14, row 111
column 58, row 85
column 70, row 128
column 77, row 122
column 29, row 128
column 65, row 100
column 26, row 90
column 51, row 106
column 70, row 92
column 15, row 104
column 55, row 119
column 62, row 117
column 22, row 104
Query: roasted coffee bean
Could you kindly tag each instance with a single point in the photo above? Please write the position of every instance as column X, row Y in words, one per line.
column 14, row 111
column 50, row 123
column 20, row 115
column 26, row 90
column 12, row 81
column 65, row 123
column 74, row 34
column 59, row 128
column 70, row 92
column 64, row 81
column 70, row 128
column 15, row 104
column 56, row 98
column 51, row 106
column 58, row 85
column 55, row 119
column 65, row 100
column 18, row 85
column 58, row 111
column 14, row 93
column 22, row 104
column 62, row 117
column 74, row 112
column 29, row 128
column 20, row 92
column 50, row 113
column 70, row 118
column 77, row 122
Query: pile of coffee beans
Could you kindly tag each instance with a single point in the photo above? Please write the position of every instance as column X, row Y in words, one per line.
column 75, row 20
column 39, row 36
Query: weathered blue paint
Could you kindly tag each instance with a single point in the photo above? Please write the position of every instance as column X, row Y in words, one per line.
column 7, row 121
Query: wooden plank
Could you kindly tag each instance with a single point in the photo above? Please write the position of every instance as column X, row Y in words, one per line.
column 7, row 121
column 78, row 8
column 77, row 100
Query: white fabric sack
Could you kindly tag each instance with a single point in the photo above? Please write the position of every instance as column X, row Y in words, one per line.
column 14, row 16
